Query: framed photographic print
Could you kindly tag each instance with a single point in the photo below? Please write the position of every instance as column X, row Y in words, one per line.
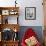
column 5, row 12
column 30, row 13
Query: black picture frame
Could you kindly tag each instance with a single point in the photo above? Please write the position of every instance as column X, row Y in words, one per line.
column 30, row 13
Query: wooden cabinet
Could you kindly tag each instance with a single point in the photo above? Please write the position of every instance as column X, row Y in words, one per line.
column 8, row 25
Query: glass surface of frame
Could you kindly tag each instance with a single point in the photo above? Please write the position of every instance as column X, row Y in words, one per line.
column 30, row 13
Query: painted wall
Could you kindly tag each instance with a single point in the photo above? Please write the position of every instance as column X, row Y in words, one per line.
column 26, row 3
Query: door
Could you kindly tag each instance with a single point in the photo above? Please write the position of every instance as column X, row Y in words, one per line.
column 44, row 7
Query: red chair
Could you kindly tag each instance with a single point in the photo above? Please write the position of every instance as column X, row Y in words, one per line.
column 29, row 33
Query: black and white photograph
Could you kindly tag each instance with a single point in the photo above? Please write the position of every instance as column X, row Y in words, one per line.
column 30, row 13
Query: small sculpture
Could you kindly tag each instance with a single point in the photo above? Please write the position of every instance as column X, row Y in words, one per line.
column 15, row 3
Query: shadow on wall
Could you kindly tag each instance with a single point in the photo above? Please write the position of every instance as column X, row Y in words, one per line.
column 37, row 29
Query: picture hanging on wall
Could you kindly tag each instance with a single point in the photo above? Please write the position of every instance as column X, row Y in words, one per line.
column 30, row 13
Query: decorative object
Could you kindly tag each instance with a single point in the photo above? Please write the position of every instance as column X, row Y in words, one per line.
column 13, row 12
column 15, row 37
column 7, row 34
column 31, row 41
column 5, row 12
column 30, row 13
column 15, row 3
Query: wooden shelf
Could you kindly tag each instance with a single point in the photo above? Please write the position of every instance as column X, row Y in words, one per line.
column 11, row 26
column 8, row 10
column 9, row 43
column 4, row 13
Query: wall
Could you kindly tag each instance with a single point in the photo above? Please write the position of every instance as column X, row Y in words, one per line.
column 27, row 3
column 39, row 12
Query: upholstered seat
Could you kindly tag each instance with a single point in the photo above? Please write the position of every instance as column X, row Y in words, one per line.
column 29, row 36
